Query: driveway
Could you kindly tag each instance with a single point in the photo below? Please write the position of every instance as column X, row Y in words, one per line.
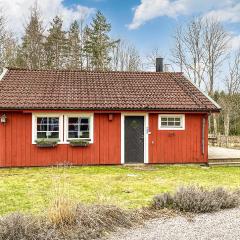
column 224, row 225
column 223, row 153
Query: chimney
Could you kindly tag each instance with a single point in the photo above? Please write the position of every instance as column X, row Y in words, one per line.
column 159, row 64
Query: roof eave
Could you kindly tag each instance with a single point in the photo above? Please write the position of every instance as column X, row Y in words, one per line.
column 217, row 110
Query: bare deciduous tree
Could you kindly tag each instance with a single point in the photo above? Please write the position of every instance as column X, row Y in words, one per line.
column 199, row 50
column 125, row 57
column 151, row 58
column 8, row 45
column 188, row 50
column 215, row 50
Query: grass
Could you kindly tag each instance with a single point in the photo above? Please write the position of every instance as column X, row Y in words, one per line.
column 32, row 189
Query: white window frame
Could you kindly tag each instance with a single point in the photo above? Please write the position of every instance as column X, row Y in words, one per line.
column 34, row 125
column 181, row 116
column 81, row 115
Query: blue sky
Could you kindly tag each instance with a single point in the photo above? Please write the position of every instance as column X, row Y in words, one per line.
column 156, row 33
column 155, row 20
column 147, row 24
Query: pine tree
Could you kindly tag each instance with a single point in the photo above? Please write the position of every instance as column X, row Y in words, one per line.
column 74, row 47
column 98, row 42
column 56, row 45
column 31, row 51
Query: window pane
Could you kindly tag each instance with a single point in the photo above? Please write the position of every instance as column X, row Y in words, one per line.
column 170, row 119
column 53, row 121
column 53, row 134
column 177, row 124
column 41, row 135
column 164, row 119
column 170, row 123
column 84, row 134
column 42, row 120
column 84, row 120
column 84, row 128
column 73, row 120
column 72, row 127
column 54, row 128
column 72, row 134
column 177, row 119
column 42, row 127
column 164, row 123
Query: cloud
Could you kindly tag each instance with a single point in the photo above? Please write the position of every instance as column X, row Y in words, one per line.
column 151, row 9
column 17, row 12
column 234, row 43
column 229, row 14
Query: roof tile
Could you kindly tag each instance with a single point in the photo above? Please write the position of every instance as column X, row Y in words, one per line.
column 51, row 89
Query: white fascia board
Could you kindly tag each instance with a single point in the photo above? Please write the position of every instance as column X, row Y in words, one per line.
column 3, row 73
column 206, row 95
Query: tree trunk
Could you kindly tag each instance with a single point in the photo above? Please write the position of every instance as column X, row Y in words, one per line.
column 215, row 126
column 226, row 124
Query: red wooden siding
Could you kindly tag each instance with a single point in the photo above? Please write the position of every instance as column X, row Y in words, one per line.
column 182, row 146
column 165, row 146
column 16, row 148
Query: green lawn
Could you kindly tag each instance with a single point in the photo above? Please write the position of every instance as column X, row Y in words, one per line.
column 31, row 189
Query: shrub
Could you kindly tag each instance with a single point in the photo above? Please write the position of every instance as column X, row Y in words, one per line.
column 90, row 222
column 164, row 200
column 17, row 226
column 62, row 212
column 197, row 199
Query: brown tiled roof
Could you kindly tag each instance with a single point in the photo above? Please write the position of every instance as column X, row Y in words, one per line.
column 50, row 89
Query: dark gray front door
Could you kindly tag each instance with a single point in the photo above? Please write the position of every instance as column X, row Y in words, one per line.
column 134, row 139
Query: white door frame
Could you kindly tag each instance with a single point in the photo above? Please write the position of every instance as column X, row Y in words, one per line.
column 146, row 132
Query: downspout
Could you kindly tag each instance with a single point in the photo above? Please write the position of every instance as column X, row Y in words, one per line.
column 203, row 135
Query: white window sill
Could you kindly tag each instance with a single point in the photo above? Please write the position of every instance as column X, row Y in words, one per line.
column 90, row 142
column 173, row 129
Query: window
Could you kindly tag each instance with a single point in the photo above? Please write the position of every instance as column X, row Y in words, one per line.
column 48, row 127
column 172, row 122
column 79, row 127
column 62, row 126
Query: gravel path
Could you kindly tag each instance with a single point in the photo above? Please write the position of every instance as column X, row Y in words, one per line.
column 222, row 153
column 221, row 225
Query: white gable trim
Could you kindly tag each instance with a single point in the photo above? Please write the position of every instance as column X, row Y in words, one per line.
column 5, row 70
column 206, row 95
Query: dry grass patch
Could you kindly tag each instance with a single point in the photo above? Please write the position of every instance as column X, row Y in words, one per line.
column 88, row 222
column 197, row 199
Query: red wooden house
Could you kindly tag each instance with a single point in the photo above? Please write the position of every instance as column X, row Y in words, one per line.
column 126, row 117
